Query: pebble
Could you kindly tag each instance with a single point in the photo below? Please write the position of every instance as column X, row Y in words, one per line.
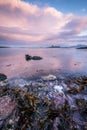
column 11, row 122
column 58, row 88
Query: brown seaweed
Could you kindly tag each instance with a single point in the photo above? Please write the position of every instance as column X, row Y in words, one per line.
column 34, row 111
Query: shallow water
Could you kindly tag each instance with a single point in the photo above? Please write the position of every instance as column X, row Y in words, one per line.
column 55, row 61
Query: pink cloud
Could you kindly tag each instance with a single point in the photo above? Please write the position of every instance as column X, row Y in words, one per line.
column 23, row 21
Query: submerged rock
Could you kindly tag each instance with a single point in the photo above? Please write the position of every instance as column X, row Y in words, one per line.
column 2, row 77
column 49, row 77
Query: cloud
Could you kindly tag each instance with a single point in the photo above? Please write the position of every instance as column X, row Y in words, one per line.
column 22, row 21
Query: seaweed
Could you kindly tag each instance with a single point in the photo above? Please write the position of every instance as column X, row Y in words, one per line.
column 37, row 111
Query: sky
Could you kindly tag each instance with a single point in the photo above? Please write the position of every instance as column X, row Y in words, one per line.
column 43, row 22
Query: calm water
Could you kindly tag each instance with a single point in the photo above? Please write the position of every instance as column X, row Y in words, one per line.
column 55, row 61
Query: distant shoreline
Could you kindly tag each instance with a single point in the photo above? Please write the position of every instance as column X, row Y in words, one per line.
column 4, row 47
column 81, row 48
column 51, row 47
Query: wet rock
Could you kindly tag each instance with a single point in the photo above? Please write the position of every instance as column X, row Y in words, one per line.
column 36, row 58
column 55, row 123
column 49, row 77
column 7, row 107
column 18, row 82
column 28, row 57
column 2, row 77
column 3, row 83
column 48, row 105
column 59, row 89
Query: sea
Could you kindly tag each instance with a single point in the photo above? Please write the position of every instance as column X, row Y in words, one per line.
column 56, row 61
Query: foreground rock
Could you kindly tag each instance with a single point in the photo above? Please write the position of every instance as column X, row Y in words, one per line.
column 7, row 107
column 28, row 57
column 2, row 77
column 3, row 80
column 3, row 83
column 47, row 105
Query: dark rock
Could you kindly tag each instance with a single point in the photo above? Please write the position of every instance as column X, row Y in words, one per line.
column 36, row 58
column 28, row 57
column 2, row 77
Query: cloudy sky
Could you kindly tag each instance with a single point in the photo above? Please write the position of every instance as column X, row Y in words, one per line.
column 43, row 22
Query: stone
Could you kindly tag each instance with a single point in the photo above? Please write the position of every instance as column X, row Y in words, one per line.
column 11, row 122
column 28, row 57
column 2, row 77
column 6, row 106
column 3, row 83
column 36, row 58
column 58, row 88
column 18, row 82
column 49, row 77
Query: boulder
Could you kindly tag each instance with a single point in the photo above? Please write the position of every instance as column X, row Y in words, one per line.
column 28, row 57
column 2, row 77
column 7, row 107
column 49, row 77
column 4, row 83
column 36, row 58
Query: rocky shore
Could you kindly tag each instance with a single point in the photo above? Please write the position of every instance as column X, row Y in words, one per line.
column 48, row 103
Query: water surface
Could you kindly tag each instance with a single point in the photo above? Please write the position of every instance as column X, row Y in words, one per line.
column 55, row 61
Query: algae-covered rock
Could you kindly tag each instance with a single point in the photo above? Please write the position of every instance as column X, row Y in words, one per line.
column 3, row 83
column 50, row 105
column 3, row 80
column 2, row 77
